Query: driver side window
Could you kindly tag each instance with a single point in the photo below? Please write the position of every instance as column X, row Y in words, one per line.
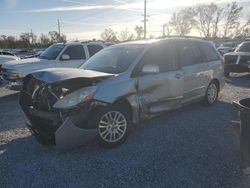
column 75, row 52
column 162, row 55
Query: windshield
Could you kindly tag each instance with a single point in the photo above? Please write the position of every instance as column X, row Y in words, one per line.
column 244, row 47
column 113, row 60
column 52, row 52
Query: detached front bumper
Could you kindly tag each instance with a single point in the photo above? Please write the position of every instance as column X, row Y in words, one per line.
column 66, row 130
column 67, row 136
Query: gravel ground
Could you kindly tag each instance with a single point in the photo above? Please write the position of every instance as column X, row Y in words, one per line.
column 195, row 146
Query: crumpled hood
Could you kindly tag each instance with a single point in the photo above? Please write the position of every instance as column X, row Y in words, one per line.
column 55, row 75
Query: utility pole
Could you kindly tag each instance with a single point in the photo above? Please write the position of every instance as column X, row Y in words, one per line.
column 31, row 35
column 59, row 28
column 163, row 30
column 145, row 19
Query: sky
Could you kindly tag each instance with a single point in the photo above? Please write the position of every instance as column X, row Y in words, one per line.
column 86, row 19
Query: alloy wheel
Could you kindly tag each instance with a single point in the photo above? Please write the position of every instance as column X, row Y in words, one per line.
column 212, row 93
column 112, row 126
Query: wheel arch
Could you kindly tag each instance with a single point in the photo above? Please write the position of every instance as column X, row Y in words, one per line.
column 217, row 82
column 123, row 101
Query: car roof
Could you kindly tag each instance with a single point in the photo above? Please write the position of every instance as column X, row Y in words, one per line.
column 152, row 41
column 85, row 42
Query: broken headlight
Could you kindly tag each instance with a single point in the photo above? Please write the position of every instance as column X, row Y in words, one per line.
column 77, row 97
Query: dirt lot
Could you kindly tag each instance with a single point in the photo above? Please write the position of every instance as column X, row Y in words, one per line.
column 195, row 146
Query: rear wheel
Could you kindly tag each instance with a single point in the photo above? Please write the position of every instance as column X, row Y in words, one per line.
column 211, row 93
column 113, row 124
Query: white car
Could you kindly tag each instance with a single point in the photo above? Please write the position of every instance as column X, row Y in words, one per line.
column 4, row 59
column 66, row 55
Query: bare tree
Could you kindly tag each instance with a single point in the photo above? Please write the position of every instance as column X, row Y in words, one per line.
column 166, row 30
column 233, row 13
column 242, row 30
column 54, row 36
column 183, row 21
column 44, row 39
column 139, row 32
column 125, row 35
column 109, row 35
column 208, row 17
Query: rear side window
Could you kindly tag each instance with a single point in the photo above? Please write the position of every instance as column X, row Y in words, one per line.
column 209, row 52
column 75, row 52
column 189, row 53
column 93, row 49
column 163, row 55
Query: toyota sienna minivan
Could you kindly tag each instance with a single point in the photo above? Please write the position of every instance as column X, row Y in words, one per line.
column 119, row 87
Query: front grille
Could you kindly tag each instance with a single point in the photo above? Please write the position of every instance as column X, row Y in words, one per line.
column 231, row 59
column 8, row 74
column 244, row 60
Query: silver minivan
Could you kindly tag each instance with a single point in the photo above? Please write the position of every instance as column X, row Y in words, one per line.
column 118, row 87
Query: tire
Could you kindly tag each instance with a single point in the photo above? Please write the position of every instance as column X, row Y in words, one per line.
column 113, row 123
column 212, row 92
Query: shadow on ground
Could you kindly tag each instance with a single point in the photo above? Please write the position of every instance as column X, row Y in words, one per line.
column 195, row 146
column 240, row 80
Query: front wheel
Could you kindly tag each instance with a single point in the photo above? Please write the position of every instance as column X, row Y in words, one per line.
column 113, row 124
column 211, row 95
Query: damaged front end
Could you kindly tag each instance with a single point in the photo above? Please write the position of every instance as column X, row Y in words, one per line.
column 59, row 112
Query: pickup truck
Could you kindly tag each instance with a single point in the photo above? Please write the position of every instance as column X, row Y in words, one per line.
column 239, row 60
column 65, row 55
column 3, row 59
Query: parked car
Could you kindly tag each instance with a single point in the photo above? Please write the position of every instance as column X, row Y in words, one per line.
column 70, row 55
column 4, row 59
column 24, row 52
column 239, row 60
column 37, row 54
column 224, row 50
column 2, row 52
column 120, row 85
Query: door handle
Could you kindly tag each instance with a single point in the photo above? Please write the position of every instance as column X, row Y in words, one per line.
column 178, row 76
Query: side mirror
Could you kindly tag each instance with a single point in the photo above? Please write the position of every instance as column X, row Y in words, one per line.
column 65, row 57
column 150, row 69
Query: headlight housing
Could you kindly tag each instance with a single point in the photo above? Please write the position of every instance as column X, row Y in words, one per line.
column 75, row 98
